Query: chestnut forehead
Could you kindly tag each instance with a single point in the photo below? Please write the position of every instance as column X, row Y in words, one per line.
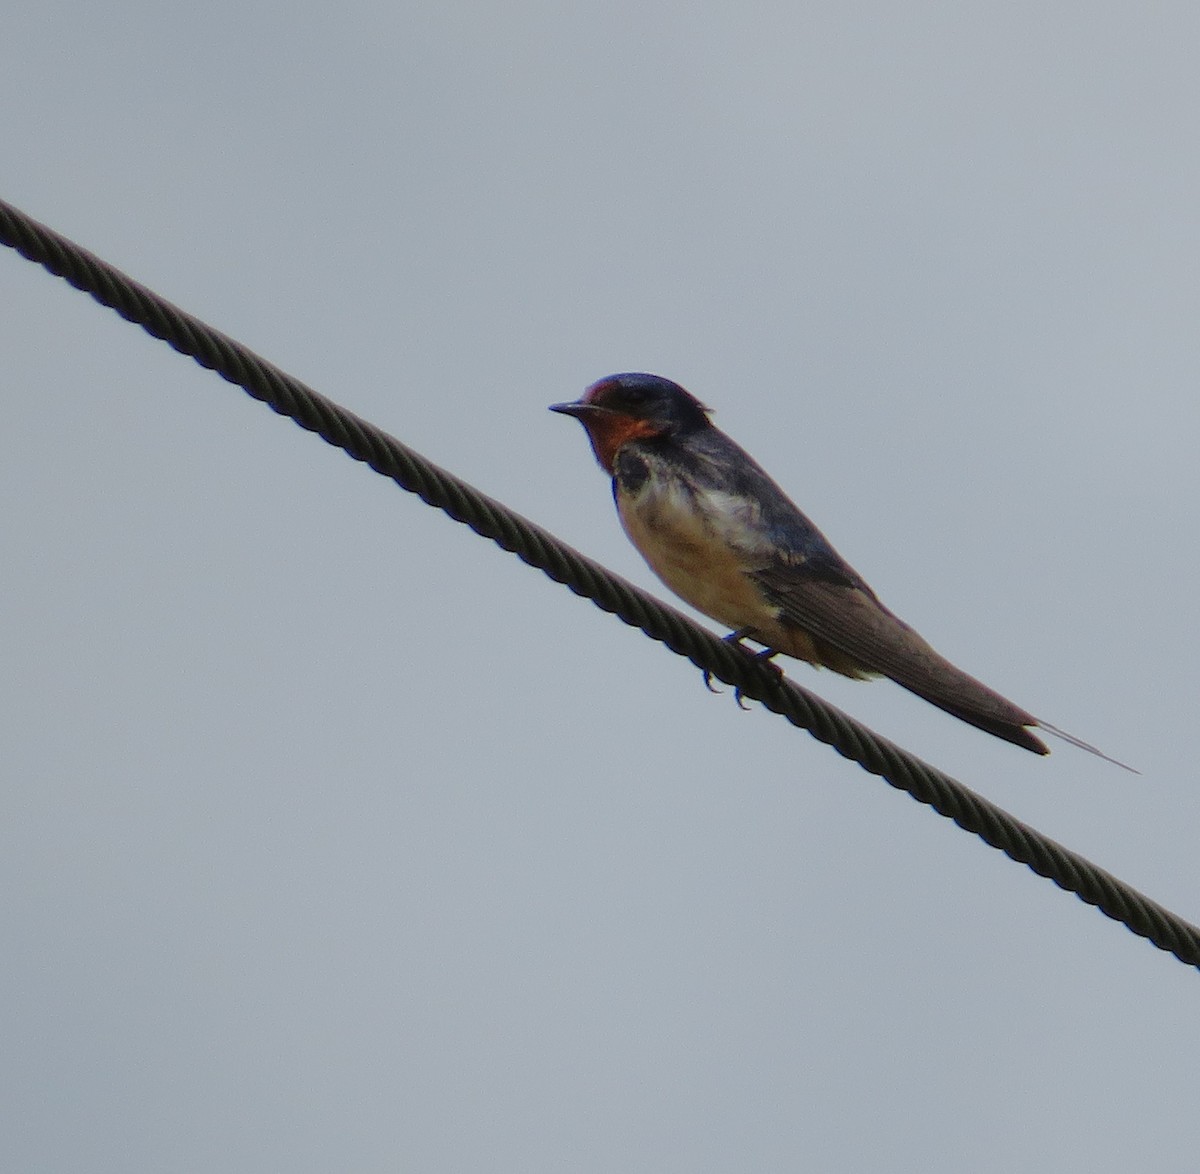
column 644, row 396
column 599, row 392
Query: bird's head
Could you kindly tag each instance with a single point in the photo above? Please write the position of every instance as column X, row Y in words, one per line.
column 621, row 408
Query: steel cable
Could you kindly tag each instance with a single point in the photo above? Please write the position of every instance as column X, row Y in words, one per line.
column 537, row 547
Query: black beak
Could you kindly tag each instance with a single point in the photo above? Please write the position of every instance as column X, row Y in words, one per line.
column 580, row 409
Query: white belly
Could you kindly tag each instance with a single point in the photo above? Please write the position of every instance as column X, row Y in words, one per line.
column 690, row 550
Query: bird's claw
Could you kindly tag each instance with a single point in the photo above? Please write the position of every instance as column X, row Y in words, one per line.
column 764, row 657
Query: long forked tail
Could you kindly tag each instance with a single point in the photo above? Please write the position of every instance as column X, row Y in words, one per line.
column 1082, row 745
column 934, row 678
column 849, row 619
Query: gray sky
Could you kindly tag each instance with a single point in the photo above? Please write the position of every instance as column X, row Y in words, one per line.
column 335, row 839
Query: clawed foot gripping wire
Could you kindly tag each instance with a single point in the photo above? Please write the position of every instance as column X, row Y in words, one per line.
column 749, row 677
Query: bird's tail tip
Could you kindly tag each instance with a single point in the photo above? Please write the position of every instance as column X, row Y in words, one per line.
column 1082, row 745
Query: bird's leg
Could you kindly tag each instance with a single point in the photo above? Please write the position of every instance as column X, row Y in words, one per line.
column 733, row 638
column 738, row 636
column 764, row 656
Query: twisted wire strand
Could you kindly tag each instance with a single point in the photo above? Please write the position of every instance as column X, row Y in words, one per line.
column 537, row 547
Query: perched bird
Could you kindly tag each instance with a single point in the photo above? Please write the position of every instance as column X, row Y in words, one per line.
column 724, row 537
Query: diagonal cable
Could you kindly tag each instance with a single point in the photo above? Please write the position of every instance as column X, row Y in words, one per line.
column 539, row 548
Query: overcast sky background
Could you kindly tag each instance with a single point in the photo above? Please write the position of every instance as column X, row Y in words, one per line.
column 334, row 838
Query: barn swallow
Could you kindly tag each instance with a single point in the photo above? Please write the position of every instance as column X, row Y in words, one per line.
column 719, row 532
